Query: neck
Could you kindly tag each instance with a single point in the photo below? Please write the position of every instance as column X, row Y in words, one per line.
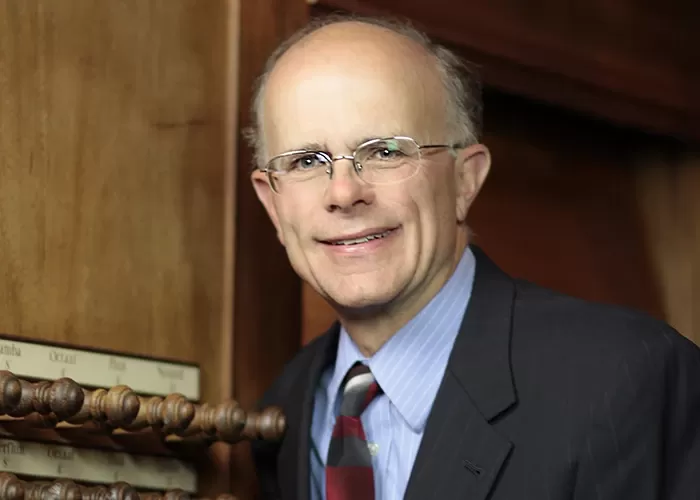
column 370, row 330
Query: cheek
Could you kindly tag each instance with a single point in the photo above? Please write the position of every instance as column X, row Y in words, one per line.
column 435, row 198
column 295, row 217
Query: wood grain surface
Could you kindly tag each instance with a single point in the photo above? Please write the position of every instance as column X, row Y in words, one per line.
column 669, row 196
column 116, row 177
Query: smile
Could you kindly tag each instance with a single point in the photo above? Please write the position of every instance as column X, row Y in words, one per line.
column 358, row 240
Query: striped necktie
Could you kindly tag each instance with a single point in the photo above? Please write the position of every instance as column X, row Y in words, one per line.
column 349, row 474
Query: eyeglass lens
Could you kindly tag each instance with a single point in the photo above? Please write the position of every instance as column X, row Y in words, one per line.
column 376, row 162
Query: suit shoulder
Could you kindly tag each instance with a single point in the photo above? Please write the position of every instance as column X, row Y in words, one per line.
column 561, row 346
column 595, row 330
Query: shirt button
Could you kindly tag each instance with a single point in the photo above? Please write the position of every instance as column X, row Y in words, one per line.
column 373, row 449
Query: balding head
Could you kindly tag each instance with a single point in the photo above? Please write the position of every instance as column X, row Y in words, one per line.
column 368, row 166
column 395, row 49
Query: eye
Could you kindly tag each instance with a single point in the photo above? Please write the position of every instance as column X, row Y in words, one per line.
column 307, row 161
column 386, row 150
column 386, row 154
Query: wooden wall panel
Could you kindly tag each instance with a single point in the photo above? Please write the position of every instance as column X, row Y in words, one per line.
column 268, row 296
column 669, row 193
column 560, row 208
column 627, row 60
column 267, row 318
column 114, row 134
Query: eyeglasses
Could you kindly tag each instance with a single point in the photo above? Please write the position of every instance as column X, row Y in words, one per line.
column 377, row 161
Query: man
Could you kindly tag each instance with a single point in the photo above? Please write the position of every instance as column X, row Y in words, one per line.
column 444, row 378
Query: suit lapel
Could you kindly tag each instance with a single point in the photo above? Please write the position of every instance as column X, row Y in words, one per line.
column 294, row 454
column 461, row 455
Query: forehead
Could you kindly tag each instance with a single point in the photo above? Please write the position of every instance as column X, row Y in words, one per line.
column 339, row 89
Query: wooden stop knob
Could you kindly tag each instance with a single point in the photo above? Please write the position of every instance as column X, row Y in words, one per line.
column 10, row 392
column 64, row 489
column 176, row 413
column 176, row 495
column 11, row 488
column 65, row 398
column 271, row 424
column 122, row 491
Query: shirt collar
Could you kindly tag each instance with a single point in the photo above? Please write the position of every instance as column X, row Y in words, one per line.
column 410, row 366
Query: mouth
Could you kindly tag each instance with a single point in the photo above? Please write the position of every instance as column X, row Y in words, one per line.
column 360, row 238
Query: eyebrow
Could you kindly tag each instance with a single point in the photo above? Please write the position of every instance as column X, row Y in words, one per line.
column 309, row 146
column 355, row 144
column 317, row 146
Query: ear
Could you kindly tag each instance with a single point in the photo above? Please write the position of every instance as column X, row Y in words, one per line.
column 266, row 196
column 471, row 169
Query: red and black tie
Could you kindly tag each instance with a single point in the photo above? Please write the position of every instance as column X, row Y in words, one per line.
column 349, row 474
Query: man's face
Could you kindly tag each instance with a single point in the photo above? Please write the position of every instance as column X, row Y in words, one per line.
column 335, row 95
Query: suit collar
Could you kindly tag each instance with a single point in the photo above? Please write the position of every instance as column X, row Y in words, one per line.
column 461, row 455
column 480, row 359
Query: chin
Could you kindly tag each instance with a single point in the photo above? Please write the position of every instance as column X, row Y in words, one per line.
column 362, row 300
column 368, row 288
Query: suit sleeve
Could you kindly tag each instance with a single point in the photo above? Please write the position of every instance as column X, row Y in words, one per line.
column 265, row 462
column 644, row 437
column 682, row 429
column 264, row 453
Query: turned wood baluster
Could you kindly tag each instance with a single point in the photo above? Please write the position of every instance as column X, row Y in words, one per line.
column 181, row 495
column 177, row 413
column 116, row 407
column 11, row 488
column 95, row 493
column 122, row 491
column 65, row 400
column 270, row 425
column 64, row 489
column 176, row 495
column 172, row 414
column 229, row 420
column 63, row 397
column 224, row 421
column 204, row 421
column 148, row 414
column 10, row 392
column 37, row 490
column 45, row 402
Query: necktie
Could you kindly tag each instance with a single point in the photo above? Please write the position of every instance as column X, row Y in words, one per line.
column 349, row 473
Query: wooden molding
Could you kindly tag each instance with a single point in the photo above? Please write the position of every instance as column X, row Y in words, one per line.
column 612, row 60
column 267, row 305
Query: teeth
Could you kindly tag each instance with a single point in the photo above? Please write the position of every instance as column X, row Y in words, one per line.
column 364, row 239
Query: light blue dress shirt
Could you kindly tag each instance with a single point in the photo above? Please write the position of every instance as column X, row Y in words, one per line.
column 409, row 369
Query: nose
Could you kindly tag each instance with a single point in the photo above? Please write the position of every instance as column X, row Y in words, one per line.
column 346, row 191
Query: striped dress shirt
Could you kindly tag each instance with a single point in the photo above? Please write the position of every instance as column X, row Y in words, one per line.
column 409, row 369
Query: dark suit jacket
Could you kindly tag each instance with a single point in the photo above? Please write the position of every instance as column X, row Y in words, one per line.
column 545, row 397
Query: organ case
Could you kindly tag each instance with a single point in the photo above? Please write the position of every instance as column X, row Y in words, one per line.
column 117, row 139
column 62, row 433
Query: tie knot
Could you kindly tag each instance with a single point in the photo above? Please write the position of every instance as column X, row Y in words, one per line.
column 359, row 390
